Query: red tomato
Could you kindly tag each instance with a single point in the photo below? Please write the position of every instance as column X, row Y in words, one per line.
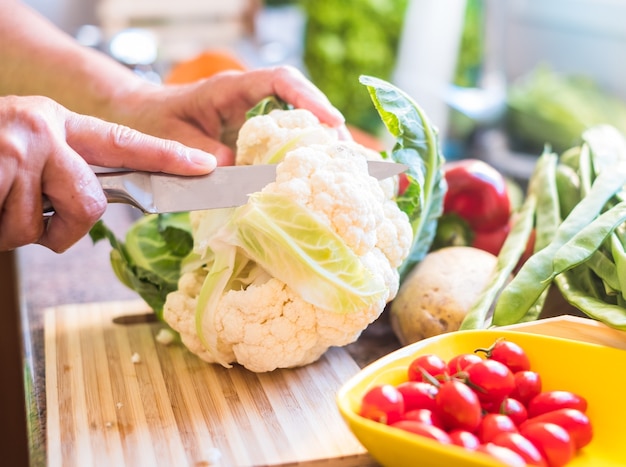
column 424, row 415
column 575, row 422
column 423, row 429
column 465, row 439
column 382, row 404
column 552, row 441
column 517, row 443
column 548, row 401
column 509, row 353
column 459, row 362
column 504, row 455
column 431, row 364
column 492, row 380
column 527, row 385
column 403, row 183
column 458, row 406
column 493, row 424
column 491, row 241
column 418, row 395
column 514, row 409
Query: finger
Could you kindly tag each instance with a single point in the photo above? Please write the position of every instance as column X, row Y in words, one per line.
column 77, row 199
column 112, row 145
column 293, row 87
column 196, row 137
column 18, row 225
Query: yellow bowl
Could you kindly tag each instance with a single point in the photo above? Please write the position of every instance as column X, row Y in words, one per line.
column 596, row 372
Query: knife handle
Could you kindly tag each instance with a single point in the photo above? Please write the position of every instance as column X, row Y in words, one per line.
column 119, row 187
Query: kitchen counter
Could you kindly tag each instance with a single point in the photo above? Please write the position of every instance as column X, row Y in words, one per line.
column 83, row 275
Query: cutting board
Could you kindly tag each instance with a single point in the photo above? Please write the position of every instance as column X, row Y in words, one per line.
column 117, row 397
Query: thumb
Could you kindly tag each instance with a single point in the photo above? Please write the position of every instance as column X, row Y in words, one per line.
column 113, row 145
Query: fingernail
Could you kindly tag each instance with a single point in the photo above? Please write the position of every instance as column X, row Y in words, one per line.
column 203, row 159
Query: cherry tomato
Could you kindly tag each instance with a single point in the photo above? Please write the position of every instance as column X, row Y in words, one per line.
column 527, row 385
column 552, row 441
column 424, row 415
column 492, row 380
column 575, row 422
column 382, row 404
column 459, row 362
column 517, row 443
column 548, row 401
column 418, row 395
column 509, row 353
column 465, row 439
column 432, row 364
column 458, row 406
column 493, row 424
column 504, row 455
column 514, row 409
column 423, row 429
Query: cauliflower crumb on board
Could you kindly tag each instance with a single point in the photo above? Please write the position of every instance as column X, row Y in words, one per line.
column 165, row 336
column 135, row 358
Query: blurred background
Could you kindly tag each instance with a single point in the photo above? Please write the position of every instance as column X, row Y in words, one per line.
column 499, row 79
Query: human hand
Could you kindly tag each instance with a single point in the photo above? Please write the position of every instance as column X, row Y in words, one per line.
column 208, row 114
column 46, row 150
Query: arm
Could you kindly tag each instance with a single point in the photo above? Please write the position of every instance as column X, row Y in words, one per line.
column 206, row 115
column 39, row 59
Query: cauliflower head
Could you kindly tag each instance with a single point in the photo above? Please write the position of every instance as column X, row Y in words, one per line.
column 307, row 264
column 265, row 139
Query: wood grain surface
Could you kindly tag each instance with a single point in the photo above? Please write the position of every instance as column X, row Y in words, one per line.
column 170, row 408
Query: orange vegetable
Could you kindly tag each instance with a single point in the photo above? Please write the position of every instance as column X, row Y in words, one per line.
column 203, row 65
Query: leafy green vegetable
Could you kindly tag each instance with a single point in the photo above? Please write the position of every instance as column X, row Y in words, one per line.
column 417, row 146
column 149, row 259
column 549, row 107
column 266, row 105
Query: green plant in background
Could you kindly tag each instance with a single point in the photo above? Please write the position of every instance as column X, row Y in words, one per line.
column 472, row 47
column 346, row 39
column 545, row 106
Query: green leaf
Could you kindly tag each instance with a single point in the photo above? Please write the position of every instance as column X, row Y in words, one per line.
column 417, row 146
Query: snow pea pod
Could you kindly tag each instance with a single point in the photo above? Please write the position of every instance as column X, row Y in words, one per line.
column 606, row 270
column 511, row 252
column 568, row 187
column 594, row 307
column 585, row 242
column 619, row 259
column 544, row 185
column 536, row 274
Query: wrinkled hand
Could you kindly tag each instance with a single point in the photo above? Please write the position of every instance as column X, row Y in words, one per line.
column 208, row 114
column 46, row 150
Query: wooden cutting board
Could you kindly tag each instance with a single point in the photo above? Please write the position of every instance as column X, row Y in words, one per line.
column 170, row 408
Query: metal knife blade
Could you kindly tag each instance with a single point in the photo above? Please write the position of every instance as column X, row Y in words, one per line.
column 225, row 187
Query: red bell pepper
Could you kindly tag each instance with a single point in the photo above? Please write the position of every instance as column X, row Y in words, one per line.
column 476, row 208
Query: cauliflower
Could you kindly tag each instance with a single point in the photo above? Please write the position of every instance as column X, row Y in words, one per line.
column 266, row 138
column 307, row 264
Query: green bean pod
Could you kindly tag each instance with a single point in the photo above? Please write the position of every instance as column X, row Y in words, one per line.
column 612, row 315
column 586, row 241
column 536, row 274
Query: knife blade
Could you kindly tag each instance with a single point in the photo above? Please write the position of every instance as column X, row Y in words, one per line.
column 225, row 187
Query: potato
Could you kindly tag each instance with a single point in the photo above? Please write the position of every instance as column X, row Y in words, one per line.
column 437, row 294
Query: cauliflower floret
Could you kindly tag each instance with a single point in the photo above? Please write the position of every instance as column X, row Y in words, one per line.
column 269, row 326
column 331, row 180
column 265, row 324
column 261, row 137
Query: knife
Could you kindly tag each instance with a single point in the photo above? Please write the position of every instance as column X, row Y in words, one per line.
column 225, row 187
